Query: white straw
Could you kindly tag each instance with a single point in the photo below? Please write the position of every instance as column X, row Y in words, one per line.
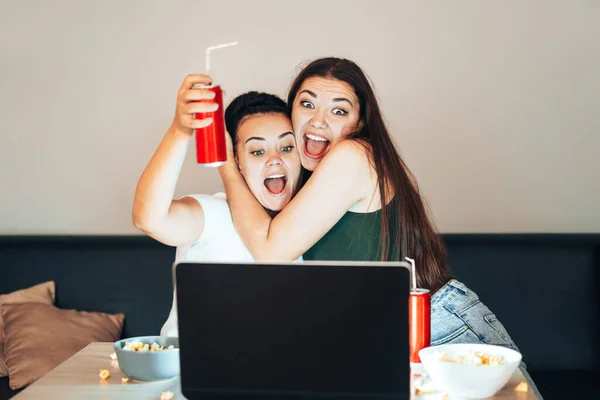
column 412, row 272
column 211, row 48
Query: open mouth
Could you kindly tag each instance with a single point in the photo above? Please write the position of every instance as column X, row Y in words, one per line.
column 315, row 146
column 275, row 184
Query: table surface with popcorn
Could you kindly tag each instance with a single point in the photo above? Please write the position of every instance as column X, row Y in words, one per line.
column 94, row 373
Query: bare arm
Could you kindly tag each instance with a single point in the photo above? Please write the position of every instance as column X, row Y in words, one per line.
column 341, row 180
column 155, row 212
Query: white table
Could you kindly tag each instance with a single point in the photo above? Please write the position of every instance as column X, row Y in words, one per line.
column 77, row 378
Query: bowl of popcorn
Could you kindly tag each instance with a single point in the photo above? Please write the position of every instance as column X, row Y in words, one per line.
column 148, row 358
column 471, row 371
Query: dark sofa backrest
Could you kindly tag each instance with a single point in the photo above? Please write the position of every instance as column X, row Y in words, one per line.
column 131, row 275
column 545, row 289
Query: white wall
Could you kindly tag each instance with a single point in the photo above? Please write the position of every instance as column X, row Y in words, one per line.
column 495, row 105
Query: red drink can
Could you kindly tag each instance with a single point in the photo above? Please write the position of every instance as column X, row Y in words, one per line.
column 419, row 315
column 211, row 147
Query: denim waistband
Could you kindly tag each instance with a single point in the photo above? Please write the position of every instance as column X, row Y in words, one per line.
column 447, row 293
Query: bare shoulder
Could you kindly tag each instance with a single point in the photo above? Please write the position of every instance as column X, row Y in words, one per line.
column 354, row 160
column 350, row 155
column 354, row 149
column 347, row 167
column 188, row 201
column 186, row 207
column 202, row 200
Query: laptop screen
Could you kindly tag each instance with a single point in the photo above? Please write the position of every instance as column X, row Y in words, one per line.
column 330, row 330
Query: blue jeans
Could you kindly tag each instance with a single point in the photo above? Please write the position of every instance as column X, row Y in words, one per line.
column 458, row 316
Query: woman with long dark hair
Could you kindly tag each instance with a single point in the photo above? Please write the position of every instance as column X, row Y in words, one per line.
column 359, row 203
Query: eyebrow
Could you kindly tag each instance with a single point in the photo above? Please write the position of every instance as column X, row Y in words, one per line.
column 338, row 99
column 263, row 139
column 335, row 100
column 285, row 134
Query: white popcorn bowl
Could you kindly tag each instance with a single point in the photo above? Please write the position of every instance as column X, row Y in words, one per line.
column 469, row 381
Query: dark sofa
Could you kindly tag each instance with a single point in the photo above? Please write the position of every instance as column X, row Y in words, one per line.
column 544, row 288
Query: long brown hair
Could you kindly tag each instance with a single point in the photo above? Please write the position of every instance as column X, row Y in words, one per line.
column 406, row 229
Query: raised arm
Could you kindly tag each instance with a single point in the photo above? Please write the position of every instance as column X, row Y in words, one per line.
column 155, row 212
column 341, row 179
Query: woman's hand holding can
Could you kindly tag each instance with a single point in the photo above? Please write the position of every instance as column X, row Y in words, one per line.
column 192, row 100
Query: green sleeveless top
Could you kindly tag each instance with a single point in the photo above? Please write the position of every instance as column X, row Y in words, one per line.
column 355, row 237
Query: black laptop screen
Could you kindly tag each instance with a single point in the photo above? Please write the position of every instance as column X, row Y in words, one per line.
column 294, row 328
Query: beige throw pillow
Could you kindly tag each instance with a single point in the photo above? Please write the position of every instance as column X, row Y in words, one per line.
column 43, row 293
column 38, row 337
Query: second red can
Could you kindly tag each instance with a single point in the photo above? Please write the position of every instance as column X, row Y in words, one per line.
column 419, row 314
column 211, row 147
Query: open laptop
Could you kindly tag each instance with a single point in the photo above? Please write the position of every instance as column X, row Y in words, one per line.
column 311, row 330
